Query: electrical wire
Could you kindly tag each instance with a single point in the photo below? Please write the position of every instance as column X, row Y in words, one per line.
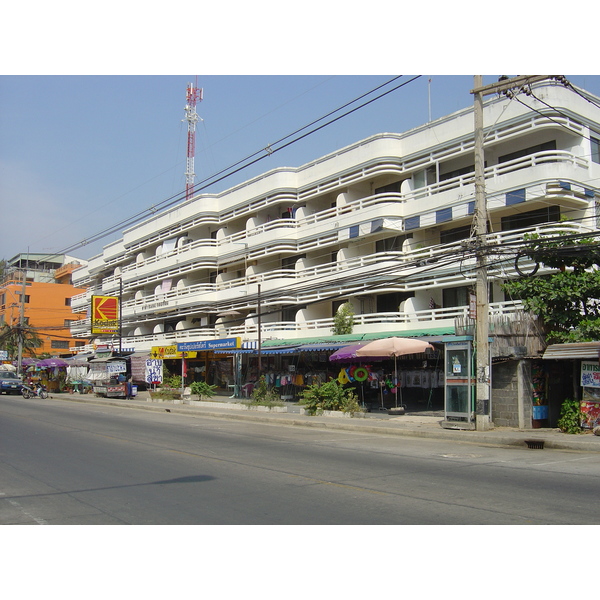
column 232, row 170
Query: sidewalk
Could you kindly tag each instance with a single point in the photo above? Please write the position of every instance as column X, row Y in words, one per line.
column 410, row 425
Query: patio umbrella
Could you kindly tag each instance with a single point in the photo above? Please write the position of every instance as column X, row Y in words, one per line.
column 347, row 353
column 52, row 362
column 393, row 346
column 27, row 362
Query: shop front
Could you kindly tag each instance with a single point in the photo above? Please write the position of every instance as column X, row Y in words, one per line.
column 417, row 381
column 573, row 372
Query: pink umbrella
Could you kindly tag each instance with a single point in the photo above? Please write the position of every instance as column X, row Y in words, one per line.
column 393, row 346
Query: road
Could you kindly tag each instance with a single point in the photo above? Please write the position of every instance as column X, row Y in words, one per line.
column 67, row 463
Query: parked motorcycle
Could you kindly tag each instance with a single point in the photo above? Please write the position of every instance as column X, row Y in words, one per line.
column 34, row 391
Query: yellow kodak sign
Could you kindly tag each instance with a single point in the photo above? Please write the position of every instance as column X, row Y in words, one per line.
column 166, row 352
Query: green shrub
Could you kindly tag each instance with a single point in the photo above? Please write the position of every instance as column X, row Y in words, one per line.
column 171, row 381
column 329, row 396
column 570, row 416
column 262, row 395
column 203, row 389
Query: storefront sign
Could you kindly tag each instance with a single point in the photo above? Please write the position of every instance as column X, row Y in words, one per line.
column 105, row 314
column 167, row 352
column 154, row 370
column 203, row 345
column 590, row 374
column 116, row 366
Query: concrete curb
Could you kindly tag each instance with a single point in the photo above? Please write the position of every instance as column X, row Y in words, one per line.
column 429, row 428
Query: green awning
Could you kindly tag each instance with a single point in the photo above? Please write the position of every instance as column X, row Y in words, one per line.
column 359, row 337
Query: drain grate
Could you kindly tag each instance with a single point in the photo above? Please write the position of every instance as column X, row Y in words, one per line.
column 535, row 444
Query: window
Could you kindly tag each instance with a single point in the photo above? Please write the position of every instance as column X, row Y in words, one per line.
column 67, row 301
column 289, row 262
column 391, row 302
column 67, row 322
column 390, row 188
column 423, row 178
column 391, row 244
column 59, row 344
column 455, row 297
column 457, row 172
column 19, row 296
column 455, row 235
column 530, row 218
column 595, row 150
column 527, row 151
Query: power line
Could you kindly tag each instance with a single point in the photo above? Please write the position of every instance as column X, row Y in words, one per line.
column 228, row 172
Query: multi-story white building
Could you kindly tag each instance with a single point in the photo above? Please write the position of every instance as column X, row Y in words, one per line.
column 383, row 223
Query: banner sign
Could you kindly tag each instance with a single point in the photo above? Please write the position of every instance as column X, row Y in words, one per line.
column 116, row 366
column 590, row 374
column 163, row 352
column 105, row 314
column 226, row 344
column 154, row 370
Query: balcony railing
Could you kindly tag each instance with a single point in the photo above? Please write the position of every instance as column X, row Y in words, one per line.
column 367, row 323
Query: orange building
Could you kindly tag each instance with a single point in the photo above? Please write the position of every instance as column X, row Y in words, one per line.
column 46, row 304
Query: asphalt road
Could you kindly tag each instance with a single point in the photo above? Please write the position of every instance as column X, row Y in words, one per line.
column 63, row 463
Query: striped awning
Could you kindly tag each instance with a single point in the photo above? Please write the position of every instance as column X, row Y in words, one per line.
column 322, row 347
column 280, row 350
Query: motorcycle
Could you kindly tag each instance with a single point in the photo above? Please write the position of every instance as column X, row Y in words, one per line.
column 35, row 391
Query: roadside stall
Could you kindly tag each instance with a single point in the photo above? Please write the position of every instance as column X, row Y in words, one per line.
column 77, row 372
column 109, row 378
column 51, row 373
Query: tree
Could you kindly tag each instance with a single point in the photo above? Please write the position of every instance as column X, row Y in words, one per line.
column 568, row 300
column 10, row 336
column 343, row 321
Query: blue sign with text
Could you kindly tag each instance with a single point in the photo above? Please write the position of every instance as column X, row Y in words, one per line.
column 226, row 344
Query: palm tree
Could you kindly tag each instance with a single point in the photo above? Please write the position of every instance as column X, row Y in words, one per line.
column 10, row 335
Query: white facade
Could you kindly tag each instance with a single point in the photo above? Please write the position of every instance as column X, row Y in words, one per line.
column 382, row 223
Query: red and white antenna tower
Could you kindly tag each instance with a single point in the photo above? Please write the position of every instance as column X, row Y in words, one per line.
column 193, row 95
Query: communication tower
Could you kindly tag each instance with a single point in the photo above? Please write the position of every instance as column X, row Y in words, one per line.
column 193, row 95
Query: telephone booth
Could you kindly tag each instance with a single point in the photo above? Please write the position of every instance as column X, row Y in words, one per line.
column 460, row 392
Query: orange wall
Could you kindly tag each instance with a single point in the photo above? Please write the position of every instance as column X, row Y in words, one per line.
column 46, row 311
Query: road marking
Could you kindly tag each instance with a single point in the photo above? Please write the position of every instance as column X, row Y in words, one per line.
column 28, row 514
column 557, row 462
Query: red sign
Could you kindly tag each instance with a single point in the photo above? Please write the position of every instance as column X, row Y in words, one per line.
column 105, row 314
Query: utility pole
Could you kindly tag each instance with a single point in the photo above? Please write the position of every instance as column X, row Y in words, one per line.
column 22, row 320
column 259, row 358
column 482, row 329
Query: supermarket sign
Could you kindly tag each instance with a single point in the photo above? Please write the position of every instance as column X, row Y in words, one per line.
column 590, row 374
column 204, row 345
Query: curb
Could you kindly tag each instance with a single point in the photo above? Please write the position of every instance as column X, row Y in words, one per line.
column 551, row 439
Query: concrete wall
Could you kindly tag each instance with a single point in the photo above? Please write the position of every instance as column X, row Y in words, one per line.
column 511, row 394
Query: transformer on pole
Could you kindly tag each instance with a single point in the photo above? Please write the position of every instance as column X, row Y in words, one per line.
column 193, row 95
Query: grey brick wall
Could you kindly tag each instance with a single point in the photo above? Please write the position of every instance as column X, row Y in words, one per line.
column 511, row 394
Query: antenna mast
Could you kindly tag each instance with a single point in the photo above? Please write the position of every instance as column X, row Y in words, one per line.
column 193, row 95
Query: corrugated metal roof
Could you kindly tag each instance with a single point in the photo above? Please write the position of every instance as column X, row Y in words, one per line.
column 573, row 351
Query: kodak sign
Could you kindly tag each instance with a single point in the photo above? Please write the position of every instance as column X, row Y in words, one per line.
column 105, row 314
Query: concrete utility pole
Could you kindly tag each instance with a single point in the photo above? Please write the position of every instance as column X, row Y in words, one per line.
column 482, row 348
